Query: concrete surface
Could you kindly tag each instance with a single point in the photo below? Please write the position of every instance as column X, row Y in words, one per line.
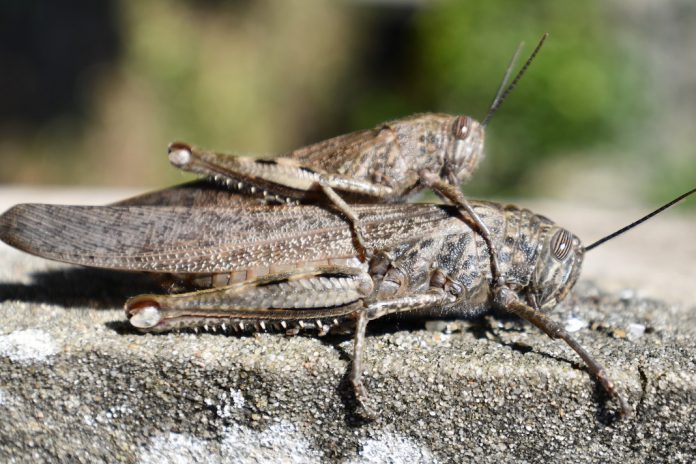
column 76, row 384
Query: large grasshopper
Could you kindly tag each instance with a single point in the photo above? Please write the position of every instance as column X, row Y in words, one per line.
column 385, row 164
column 292, row 267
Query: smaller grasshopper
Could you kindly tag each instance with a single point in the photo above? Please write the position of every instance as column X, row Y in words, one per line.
column 388, row 163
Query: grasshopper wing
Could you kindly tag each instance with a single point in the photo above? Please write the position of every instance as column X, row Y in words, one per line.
column 180, row 239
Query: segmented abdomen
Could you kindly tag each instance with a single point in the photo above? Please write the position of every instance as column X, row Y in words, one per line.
column 465, row 258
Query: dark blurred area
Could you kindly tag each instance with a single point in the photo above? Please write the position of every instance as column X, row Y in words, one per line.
column 46, row 51
column 91, row 93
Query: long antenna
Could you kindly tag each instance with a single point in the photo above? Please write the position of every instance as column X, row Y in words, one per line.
column 639, row 221
column 506, row 76
column 500, row 98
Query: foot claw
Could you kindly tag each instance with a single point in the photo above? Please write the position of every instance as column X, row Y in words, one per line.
column 363, row 407
column 626, row 411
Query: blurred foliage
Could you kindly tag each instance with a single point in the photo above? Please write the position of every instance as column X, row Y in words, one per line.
column 580, row 91
column 267, row 76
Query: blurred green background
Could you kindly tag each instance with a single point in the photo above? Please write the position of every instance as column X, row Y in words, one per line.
column 92, row 94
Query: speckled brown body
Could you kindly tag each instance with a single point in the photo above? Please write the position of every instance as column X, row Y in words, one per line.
column 227, row 239
column 383, row 164
column 293, row 267
column 395, row 153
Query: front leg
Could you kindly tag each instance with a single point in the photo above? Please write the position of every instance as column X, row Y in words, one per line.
column 508, row 300
column 353, row 220
column 451, row 193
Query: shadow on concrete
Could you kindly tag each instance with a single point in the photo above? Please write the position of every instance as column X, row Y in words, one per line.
column 80, row 287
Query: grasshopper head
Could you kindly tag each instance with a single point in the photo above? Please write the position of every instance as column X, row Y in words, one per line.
column 465, row 150
column 557, row 268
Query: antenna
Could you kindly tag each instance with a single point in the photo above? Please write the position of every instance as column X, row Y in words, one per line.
column 501, row 96
column 639, row 221
column 506, row 76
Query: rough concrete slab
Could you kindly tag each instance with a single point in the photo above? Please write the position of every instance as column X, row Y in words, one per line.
column 76, row 384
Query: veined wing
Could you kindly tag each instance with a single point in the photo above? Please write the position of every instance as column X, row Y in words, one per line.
column 351, row 152
column 180, row 239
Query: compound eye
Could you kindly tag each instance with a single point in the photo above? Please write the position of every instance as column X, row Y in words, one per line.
column 462, row 127
column 561, row 243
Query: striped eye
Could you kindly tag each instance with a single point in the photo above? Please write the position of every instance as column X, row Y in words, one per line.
column 561, row 243
column 461, row 127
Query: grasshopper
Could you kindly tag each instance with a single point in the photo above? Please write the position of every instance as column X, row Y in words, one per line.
column 387, row 163
column 294, row 267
